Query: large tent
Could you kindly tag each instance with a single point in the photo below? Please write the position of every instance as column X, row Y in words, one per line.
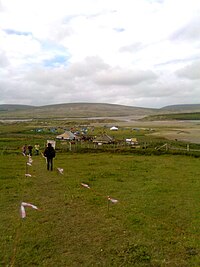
column 66, row 136
column 103, row 139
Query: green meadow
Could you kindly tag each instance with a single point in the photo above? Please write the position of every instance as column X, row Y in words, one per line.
column 154, row 223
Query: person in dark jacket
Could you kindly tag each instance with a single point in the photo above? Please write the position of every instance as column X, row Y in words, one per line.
column 49, row 153
column 30, row 150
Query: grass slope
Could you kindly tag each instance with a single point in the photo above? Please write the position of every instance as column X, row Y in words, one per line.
column 76, row 110
column 182, row 108
column 176, row 116
column 83, row 110
column 155, row 223
column 7, row 107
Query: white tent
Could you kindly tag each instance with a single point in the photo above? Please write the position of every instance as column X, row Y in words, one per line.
column 66, row 136
column 114, row 128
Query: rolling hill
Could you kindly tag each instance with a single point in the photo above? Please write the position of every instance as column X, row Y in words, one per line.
column 85, row 110
column 182, row 108
column 72, row 110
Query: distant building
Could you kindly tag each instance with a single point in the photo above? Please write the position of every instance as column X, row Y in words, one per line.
column 132, row 141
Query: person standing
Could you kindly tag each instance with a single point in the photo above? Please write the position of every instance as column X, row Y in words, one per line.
column 49, row 153
column 37, row 148
column 30, row 150
column 24, row 149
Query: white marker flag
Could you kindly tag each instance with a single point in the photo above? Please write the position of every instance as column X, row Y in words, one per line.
column 22, row 209
column 85, row 185
column 30, row 159
column 60, row 170
column 112, row 200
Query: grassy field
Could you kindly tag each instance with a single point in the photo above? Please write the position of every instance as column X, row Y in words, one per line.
column 155, row 222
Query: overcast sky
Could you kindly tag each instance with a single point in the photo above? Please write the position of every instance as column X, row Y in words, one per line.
column 143, row 53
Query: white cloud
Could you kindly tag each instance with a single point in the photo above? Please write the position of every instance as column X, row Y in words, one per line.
column 133, row 52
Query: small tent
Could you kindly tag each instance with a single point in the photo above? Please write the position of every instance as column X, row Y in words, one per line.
column 66, row 136
column 114, row 128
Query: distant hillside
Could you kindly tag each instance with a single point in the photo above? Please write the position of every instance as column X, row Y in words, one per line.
column 72, row 110
column 182, row 108
column 11, row 107
column 173, row 116
column 85, row 110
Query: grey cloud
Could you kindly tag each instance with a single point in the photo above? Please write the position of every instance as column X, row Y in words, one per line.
column 92, row 80
column 81, row 81
column 61, row 77
column 28, row 92
column 50, row 78
column 13, row 92
column 87, row 67
column 164, row 93
column 120, row 77
column 191, row 71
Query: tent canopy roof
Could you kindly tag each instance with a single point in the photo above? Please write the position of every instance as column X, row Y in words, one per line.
column 66, row 136
column 103, row 138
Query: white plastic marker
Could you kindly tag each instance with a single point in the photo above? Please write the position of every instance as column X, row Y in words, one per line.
column 30, row 159
column 22, row 209
column 85, row 185
column 28, row 175
column 112, row 200
column 60, row 170
column 43, row 155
